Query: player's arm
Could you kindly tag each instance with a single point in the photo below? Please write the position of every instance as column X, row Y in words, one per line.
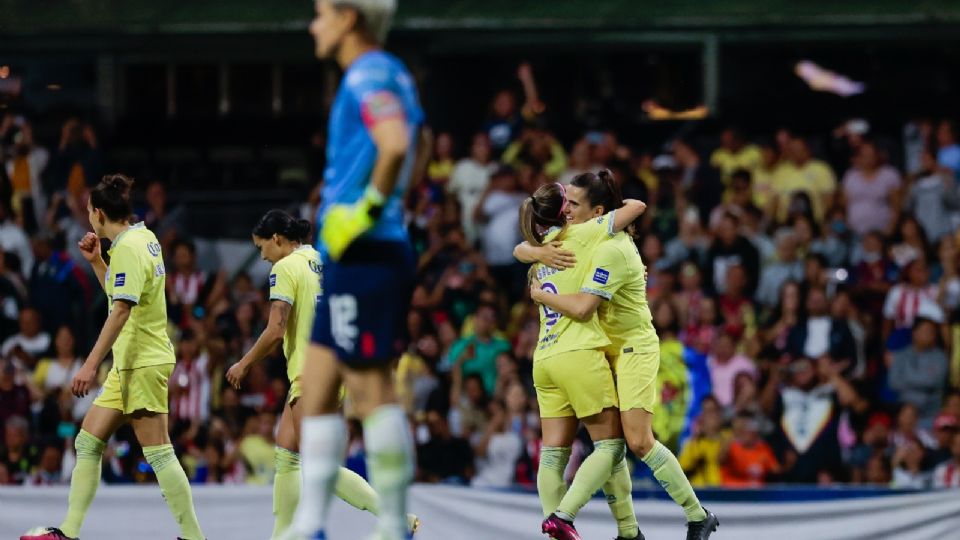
column 608, row 275
column 268, row 341
column 119, row 314
column 627, row 214
column 551, row 254
column 90, row 248
column 579, row 306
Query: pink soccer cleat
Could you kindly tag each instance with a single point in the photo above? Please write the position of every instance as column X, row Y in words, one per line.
column 559, row 529
column 46, row 533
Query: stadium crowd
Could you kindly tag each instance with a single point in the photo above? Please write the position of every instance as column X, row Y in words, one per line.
column 805, row 289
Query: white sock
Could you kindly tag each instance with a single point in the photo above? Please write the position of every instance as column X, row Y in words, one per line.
column 323, row 441
column 390, row 462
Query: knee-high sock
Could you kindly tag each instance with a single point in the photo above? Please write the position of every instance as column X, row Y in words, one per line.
column 390, row 459
column 666, row 469
column 619, row 492
column 355, row 491
column 592, row 475
column 323, row 440
column 551, row 487
column 84, row 482
column 175, row 488
column 286, row 489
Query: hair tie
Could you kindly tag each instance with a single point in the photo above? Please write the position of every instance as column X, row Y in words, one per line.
column 563, row 205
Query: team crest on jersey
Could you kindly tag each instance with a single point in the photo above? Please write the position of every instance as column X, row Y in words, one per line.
column 600, row 220
column 120, row 279
column 154, row 248
column 601, row 276
column 314, row 266
column 273, row 280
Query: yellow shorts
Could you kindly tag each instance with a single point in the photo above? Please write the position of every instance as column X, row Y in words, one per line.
column 130, row 390
column 296, row 390
column 575, row 383
column 636, row 375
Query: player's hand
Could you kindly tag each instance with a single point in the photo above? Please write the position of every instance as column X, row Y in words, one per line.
column 554, row 256
column 90, row 247
column 83, row 380
column 535, row 290
column 237, row 373
column 344, row 223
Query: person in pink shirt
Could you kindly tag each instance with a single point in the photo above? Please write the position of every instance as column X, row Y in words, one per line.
column 724, row 364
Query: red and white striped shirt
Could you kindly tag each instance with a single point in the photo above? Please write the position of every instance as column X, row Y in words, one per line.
column 190, row 389
column 947, row 475
column 905, row 303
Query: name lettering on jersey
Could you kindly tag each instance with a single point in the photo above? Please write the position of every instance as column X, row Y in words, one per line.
column 273, row 280
column 314, row 266
column 159, row 270
column 154, row 248
column 546, row 271
column 601, row 276
column 120, row 279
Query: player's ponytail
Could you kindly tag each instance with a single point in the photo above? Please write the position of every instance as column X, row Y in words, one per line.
column 112, row 197
column 283, row 224
column 542, row 211
column 601, row 189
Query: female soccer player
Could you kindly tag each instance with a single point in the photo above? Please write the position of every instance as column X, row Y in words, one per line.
column 571, row 375
column 294, row 292
column 615, row 283
column 143, row 358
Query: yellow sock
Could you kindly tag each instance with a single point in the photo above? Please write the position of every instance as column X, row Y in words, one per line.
column 591, row 476
column 619, row 492
column 84, row 482
column 551, row 487
column 355, row 491
column 286, row 489
column 175, row 488
column 666, row 469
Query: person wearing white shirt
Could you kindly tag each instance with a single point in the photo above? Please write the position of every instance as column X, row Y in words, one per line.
column 468, row 181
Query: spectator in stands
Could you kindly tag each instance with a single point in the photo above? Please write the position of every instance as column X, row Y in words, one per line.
column 734, row 153
column 53, row 375
column 700, row 182
column 190, row 381
column 725, row 364
column 776, row 273
column 747, row 460
column 256, row 448
column 736, row 306
column 11, row 301
column 25, row 163
column 945, row 426
column 819, row 334
column 947, row 474
column 775, row 328
column 731, row 248
column 67, row 219
column 505, row 121
column 908, row 428
column 690, row 244
column 948, row 151
column 49, row 467
column 907, row 465
column 909, row 242
column 871, row 190
column 673, row 384
column 932, row 197
column 190, row 288
column 416, row 373
column 15, row 241
column 581, row 161
column 736, row 199
column 469, row 404
column 917, row 372
column 803, row 173
column 469, row 181
column 700, row 457
column 913, row 297
column 161, row 217
column 536, row 151
column 873, row 273
column 948, row 286
column 497, row 212
column 687, row 301
column 477, row 354
column 764, row 196
column 60, row 289
column 498, row 450
column 30, row 343
column 77, row 163
column 441, row 164
column 444, row 458
column 874, row 441
column 18, row 455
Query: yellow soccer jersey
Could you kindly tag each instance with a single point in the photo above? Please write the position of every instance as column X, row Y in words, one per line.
column 617, row 274
column 559, row 334
column 136, row 275
column 295, row 279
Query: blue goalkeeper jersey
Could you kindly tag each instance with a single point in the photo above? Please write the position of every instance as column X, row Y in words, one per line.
column 377, row 86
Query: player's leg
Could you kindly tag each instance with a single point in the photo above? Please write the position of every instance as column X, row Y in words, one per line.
column 558, row 436
column 388, row 441
column 153, row 434
column 596, row 469
column 286, row 479
column 322, row 437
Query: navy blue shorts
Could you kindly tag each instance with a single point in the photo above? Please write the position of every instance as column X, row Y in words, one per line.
column 362, row 312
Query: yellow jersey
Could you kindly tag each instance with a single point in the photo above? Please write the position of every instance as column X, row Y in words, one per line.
column 815, row 177
column 617, row 273
column 136, row 275
column 748, row 157
column 560, row 334
column 295, row 279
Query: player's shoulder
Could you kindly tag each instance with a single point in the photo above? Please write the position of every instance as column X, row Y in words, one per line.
column 376, row 69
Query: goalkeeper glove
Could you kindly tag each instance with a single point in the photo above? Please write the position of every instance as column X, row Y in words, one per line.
column 344, row 223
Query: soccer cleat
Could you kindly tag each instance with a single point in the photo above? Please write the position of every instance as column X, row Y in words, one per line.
column 413, row 523
column 48, row 533
column 559, row 529
column 701, row 530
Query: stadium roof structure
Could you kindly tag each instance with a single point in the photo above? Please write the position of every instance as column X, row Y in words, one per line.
column 73, row 17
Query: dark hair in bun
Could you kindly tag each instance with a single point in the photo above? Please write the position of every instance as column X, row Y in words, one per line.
column 282, row 223
column 112, row 197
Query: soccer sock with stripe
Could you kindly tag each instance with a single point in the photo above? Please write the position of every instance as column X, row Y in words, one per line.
column 286, row 489
column 84, row 482
column 551, row 487
column 666, row 469
column 618, row 490
column 175, row 488
column 323, row 441
column 390, row 460
column 592, row 475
